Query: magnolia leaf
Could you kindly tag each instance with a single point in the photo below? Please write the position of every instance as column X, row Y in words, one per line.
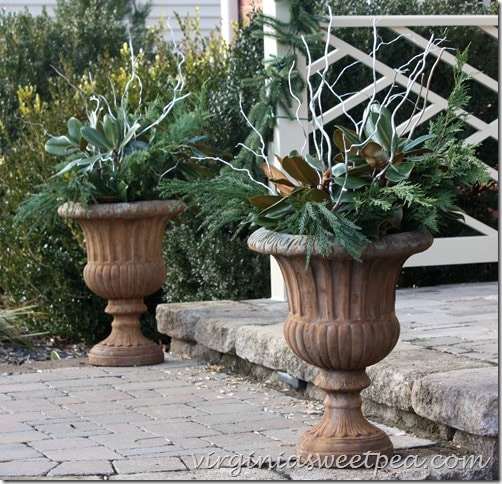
column 347, row 158
column 276, row 176
column 397, row 173
column 300, row 170
column 111, row 130
column 345, row 196
column 263, row 221
column 345, row 139
column 60, row 146
column 273, row 173
column 130, row 134
column 122, row 188
column 374, row 155
column 351, row 182
column 265, row 201
column 418, row 141
column 339, row 169
column 314, row 163
column 393, row 221
column 378, row 126
column 315, row 195
column 416, row 154
column 278, row 210
column 74, row 127
column 95, row 138
column 69, row 166
column 192, row 170
column 360, row 170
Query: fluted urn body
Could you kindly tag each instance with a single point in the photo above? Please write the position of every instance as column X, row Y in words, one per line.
column 341, row 319
column 124, row 264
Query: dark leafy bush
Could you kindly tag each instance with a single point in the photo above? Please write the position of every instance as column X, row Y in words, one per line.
column 205, row 267
column 34, row 48
column 218, row 267
column 238, row 89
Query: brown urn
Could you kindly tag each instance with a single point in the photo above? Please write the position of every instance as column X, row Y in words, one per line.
column 341, row 319
column 124, row 264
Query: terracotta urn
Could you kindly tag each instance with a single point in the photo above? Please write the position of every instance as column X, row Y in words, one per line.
column 124, row 264
column 341, row 319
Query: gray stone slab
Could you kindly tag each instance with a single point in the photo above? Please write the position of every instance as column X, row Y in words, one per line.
column 62, row 443
column 213, row 322
column 137, row 465
column 394, row 378
column 464, row 399
column 17, row 451
column 21, row 437
column 267, row 347
column 26, row 468
column 82, row 468
column 84, row 453
column 77, row 428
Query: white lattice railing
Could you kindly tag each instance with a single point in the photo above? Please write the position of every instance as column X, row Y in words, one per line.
column 445, row 251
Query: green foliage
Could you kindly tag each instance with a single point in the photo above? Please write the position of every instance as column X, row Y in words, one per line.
column 204, row 265
column 33, row 49
column 221, row 201
column 123, row 149
column 238, row 88
column 278, row 75
column 378, row 182
column 90, row 28
column 205, row 58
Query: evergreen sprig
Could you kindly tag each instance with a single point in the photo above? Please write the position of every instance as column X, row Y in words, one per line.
column 278, row 76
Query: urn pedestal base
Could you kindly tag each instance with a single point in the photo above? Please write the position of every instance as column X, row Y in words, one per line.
column 126, row 345
column 343, row 436
column 141, row 355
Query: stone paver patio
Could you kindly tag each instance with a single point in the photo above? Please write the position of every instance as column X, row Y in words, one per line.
column 186, row 419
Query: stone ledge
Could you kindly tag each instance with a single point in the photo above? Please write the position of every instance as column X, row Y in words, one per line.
column 442, row 388
column 474, row 393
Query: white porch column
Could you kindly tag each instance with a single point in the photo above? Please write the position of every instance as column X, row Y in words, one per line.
column 229, row 15
column 288, row 134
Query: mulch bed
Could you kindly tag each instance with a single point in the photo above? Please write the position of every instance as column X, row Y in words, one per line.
column 37, row 355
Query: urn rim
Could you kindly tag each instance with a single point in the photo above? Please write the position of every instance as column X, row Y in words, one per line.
column 124, row 210
column 400, row 244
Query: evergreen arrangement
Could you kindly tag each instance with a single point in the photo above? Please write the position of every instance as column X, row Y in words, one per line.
column 124, row 148
column 378, row 183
